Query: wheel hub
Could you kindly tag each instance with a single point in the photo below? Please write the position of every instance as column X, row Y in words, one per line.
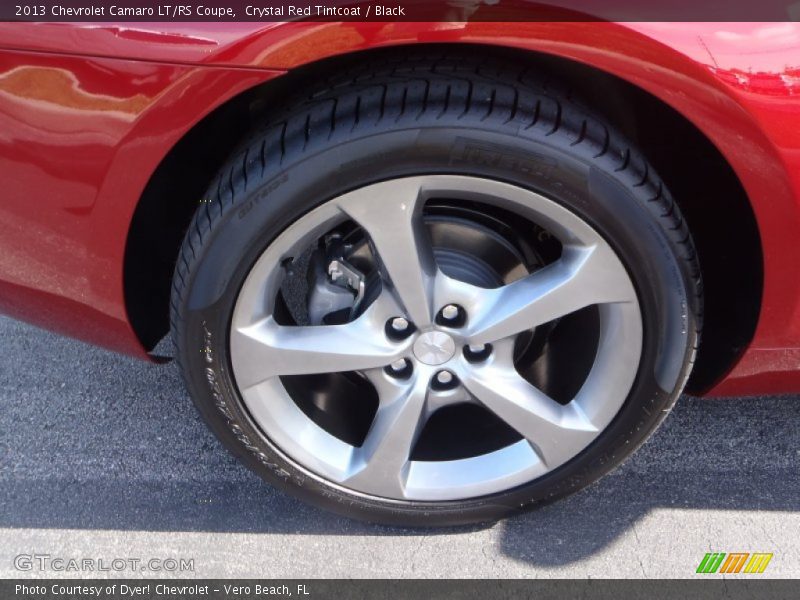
column 434, row 348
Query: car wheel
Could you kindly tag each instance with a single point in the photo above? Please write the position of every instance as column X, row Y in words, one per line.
column 434, row 291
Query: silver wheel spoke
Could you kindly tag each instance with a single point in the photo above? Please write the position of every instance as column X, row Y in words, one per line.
column 391, row 214
column 266, row 349
column 381, row 464
column 556, row 432
column 581, row 277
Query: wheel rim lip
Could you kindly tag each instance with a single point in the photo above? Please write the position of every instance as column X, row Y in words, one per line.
column 314, row 450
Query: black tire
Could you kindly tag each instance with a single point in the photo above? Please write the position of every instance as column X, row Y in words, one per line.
column 426, row 115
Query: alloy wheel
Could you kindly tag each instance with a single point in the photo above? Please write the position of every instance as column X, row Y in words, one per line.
column 415, row 326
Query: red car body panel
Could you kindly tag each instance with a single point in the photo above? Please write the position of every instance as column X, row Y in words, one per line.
column 88, row 111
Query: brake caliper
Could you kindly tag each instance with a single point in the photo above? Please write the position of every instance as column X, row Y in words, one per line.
column 336, row 288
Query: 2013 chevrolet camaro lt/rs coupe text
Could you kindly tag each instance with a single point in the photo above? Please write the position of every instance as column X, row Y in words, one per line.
column 416, row 273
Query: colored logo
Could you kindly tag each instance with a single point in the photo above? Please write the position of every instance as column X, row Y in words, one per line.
column 735, row 562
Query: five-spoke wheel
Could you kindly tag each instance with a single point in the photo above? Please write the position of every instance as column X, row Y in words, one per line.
column 428, row 340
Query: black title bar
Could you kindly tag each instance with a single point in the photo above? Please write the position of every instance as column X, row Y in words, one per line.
column 398, row 10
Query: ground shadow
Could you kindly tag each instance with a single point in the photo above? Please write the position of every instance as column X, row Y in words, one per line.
column 739, row 454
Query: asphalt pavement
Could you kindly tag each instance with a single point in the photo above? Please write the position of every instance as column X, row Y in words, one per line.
column 104, row 457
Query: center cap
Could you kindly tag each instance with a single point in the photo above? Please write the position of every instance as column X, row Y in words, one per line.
column 434, row 348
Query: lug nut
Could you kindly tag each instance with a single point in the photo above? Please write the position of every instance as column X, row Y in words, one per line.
column 401, row 368
column 451, row 315
column 477, row 352
column 398, row 366
column 450, row 312
column 399, row 328
column 444, row 377
column 399, row 324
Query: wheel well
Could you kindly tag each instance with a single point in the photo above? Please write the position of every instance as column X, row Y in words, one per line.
column 701, row 180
